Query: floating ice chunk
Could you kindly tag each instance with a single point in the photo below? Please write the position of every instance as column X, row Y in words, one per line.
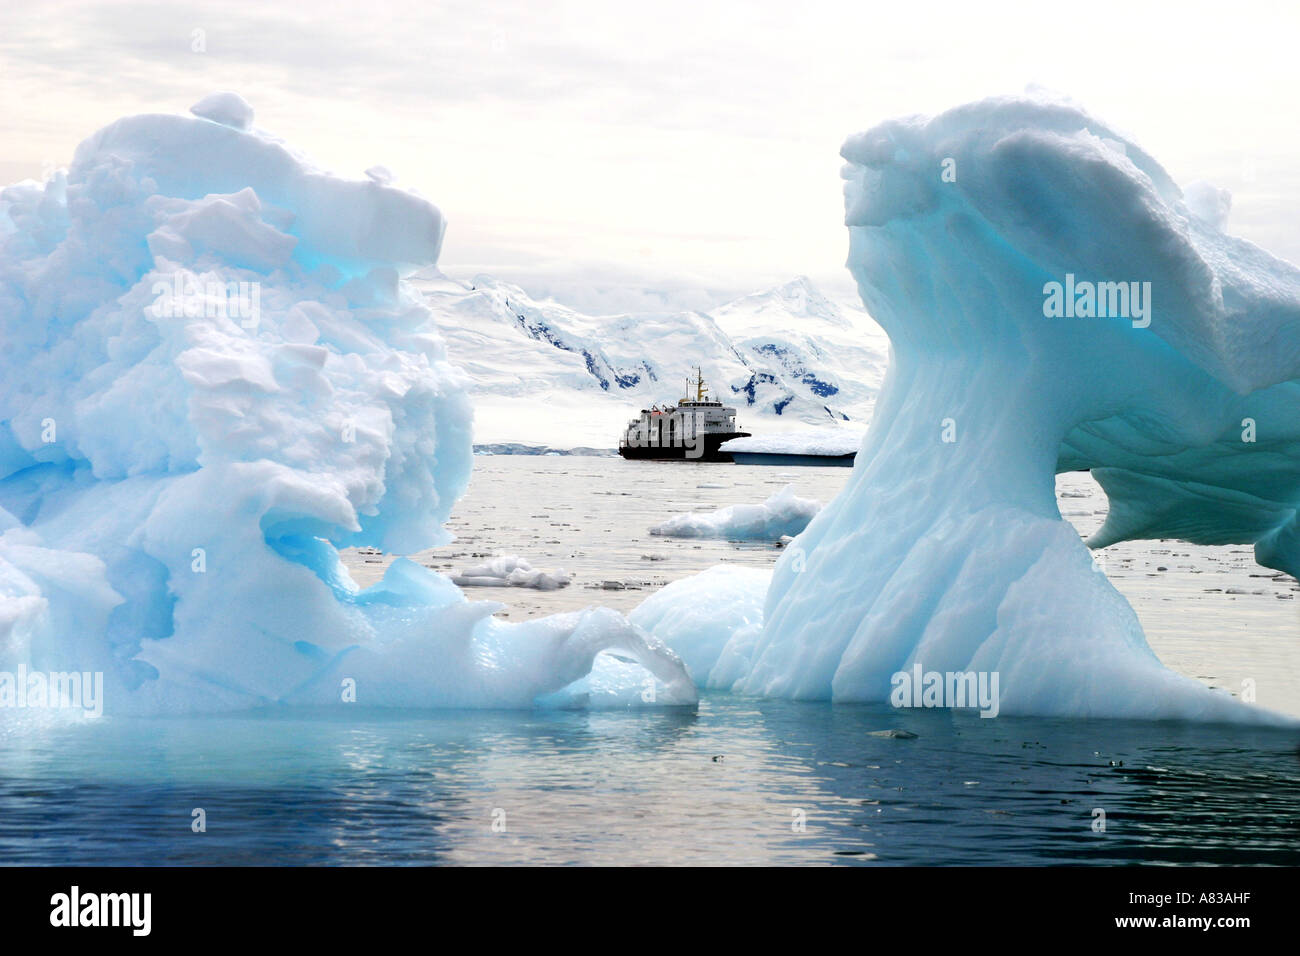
column 782, row 514
column 224, row 107
column 509, row 570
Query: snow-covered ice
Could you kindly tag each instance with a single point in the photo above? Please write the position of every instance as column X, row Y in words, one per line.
column 784, row 513
column 829, row 441
column 225, row 107
column 946, row 549
column 213, row 375
column 544, row 374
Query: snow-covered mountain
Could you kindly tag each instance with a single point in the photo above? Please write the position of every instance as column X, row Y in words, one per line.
column 545, row 374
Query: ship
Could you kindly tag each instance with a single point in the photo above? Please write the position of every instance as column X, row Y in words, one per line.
column 692, row 430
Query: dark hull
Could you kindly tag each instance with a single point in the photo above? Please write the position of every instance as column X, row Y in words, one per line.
column 682, row 453
column 763, row 458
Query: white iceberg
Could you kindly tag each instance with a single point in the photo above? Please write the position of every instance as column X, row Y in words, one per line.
column 946, row 549
column 212, row 377
column 783, row 514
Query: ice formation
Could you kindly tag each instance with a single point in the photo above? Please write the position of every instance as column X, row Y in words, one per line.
column 509, row 570
column 224, row 107
column 213, row 377
column 712, row 620
column 808, row 441
column 946, row 549
column 784, row 513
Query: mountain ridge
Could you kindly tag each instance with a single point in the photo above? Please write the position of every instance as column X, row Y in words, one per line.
column 546, row 374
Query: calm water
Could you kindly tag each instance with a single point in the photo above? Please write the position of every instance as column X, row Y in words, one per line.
column 735, row 781
column 729, row 783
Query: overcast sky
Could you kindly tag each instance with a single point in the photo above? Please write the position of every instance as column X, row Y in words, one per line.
column 619, row 155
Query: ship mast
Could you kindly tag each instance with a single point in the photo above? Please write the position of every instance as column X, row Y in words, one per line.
column 700, row 387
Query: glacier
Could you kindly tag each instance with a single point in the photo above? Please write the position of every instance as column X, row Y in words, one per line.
column 545, row 375
column 946, row 549
column 215, row 374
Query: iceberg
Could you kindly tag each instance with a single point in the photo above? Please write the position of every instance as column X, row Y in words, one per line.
column 1054, row 302
column 782, row 514
column 214, row 375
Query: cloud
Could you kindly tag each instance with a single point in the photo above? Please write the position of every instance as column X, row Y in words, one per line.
column 679, row 139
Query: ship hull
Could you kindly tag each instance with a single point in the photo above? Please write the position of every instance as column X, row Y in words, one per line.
column 815, row 461
column 711, row 451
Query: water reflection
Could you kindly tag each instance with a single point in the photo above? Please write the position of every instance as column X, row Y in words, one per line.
column 740, row 781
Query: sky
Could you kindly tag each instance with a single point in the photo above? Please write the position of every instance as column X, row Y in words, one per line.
column 621, row 156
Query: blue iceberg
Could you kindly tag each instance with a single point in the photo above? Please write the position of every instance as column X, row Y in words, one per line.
column 1055, row 303
column 212, row 377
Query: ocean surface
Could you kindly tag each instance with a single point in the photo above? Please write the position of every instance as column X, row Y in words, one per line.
column 735, row 781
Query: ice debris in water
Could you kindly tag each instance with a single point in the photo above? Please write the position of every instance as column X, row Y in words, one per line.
column 212, row 377
column 1172, row 375
column 782, row 514
column 508, row 570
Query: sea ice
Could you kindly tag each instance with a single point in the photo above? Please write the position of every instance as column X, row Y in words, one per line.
column 212, row 377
